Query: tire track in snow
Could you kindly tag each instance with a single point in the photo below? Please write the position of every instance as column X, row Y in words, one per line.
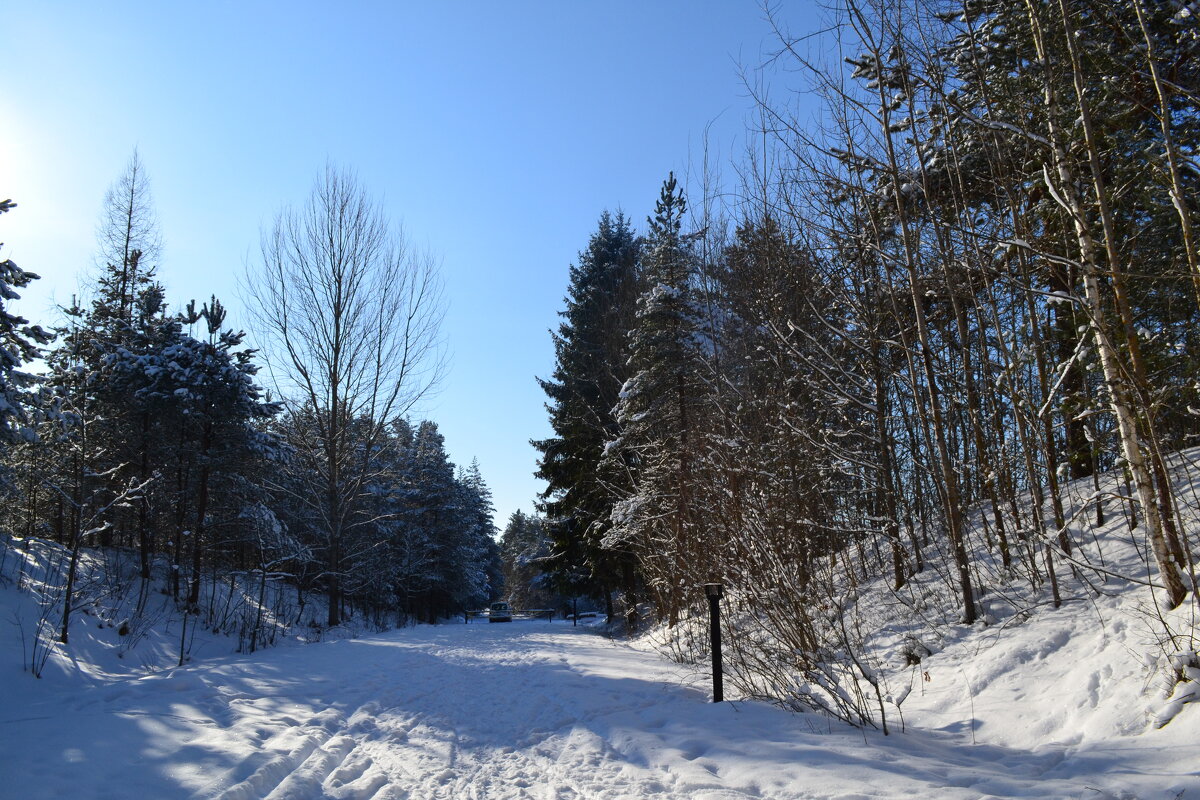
column 499, row 740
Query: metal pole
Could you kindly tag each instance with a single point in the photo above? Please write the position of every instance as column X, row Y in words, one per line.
column 714, row 613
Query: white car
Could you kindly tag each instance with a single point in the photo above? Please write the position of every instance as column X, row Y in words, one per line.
column 500, row 612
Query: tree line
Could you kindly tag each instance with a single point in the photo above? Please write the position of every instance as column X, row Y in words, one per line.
column 887, row 351
column 147, row 430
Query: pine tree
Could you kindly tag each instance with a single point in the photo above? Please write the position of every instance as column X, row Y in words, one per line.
column 129, row 304
column 788, row 403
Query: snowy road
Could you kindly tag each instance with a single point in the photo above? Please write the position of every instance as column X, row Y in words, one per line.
column 527, row 710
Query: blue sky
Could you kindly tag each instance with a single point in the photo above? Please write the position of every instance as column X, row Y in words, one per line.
column 496, row 132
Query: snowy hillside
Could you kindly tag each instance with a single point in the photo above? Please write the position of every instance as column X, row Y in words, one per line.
column 1102, row 665
column 1091, row 682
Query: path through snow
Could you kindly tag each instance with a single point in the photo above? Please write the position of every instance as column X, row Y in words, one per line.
column 527, row 710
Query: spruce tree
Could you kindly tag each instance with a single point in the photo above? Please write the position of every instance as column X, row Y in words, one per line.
column 525, row 550
column 20, row 343
column 481, row 575
column 434, row 500
column 591, row 364
column 659, row 415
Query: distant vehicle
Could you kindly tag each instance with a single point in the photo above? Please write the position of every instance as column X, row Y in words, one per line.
column 500, row 612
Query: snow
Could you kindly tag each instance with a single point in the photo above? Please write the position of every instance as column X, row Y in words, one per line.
column 537, row 709
column 1033, row 702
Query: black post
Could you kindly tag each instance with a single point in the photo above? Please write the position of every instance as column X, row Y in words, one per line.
column 714, row 591
column 574, row 611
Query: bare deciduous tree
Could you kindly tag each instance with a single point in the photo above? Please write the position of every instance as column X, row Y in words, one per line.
column 348, row 315
column 127, row 234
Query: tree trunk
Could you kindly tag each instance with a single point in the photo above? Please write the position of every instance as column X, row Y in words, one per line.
column 1120, row 379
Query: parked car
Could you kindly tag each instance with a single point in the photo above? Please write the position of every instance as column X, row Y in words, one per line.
column 500, row 612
